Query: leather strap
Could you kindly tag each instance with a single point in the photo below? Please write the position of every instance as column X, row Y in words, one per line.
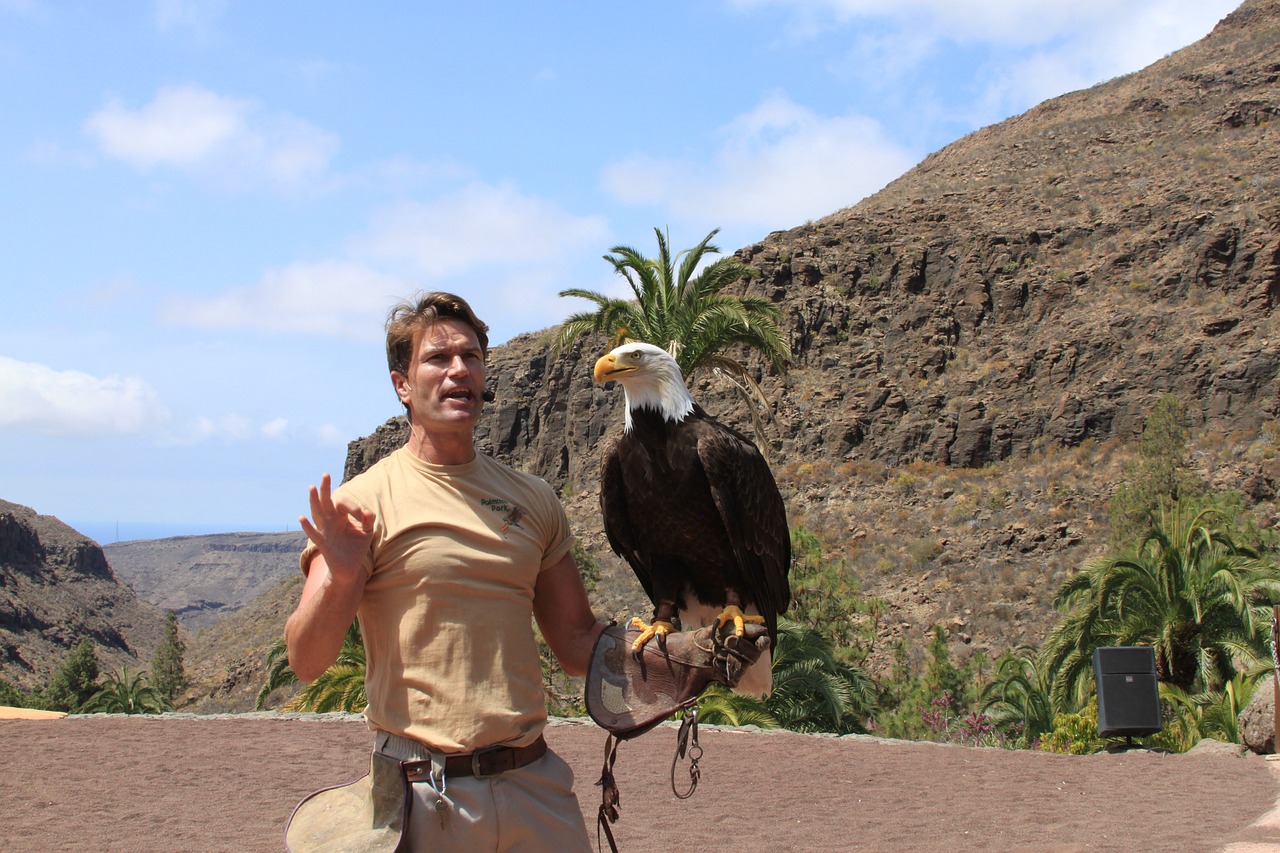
column 481, row 763
column 609, row 795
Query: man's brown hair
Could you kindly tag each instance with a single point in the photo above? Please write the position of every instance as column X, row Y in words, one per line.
column 412, row 316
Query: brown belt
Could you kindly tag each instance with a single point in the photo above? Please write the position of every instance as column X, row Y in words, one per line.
column 482, row 762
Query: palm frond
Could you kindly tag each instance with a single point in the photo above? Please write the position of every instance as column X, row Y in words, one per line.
column 679, row 304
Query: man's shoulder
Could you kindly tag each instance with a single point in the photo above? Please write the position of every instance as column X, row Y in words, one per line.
column 377, row 473
column 497, row 470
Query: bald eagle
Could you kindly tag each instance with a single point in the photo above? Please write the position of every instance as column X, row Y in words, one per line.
column 692, row 506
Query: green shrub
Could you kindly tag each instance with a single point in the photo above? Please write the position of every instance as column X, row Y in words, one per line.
column 75, row 681
column 14, row 697
column 1074, row 734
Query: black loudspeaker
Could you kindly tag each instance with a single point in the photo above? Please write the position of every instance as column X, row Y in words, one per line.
column 1128, row 695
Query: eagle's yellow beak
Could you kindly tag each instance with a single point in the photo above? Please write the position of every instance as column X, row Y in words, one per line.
column 606, row 367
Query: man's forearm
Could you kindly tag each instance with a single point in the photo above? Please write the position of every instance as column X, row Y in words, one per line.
column 315, row 631
column 578, row 654
column 560, row 605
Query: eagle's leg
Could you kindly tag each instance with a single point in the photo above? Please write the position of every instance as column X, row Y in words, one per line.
column 733, row 613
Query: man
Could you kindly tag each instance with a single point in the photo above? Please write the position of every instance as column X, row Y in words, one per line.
column 443, row 553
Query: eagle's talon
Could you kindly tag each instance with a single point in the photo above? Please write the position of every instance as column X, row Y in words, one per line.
column 732, row 613
column 658, row 629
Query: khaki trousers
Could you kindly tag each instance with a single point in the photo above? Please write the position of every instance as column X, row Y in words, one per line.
column 531, row 809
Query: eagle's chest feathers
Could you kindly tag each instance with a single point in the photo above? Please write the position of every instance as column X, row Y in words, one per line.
column 662, row 453
column 670, row 501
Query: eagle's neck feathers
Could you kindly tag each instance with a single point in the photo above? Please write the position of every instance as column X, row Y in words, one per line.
column 663, row 394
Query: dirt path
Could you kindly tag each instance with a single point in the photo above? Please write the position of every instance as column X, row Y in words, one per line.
column 217, row 784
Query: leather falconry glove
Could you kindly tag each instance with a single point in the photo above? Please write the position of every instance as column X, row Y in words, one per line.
column 628, row 693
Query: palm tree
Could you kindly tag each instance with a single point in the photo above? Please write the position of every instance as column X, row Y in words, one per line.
column 720, row 707
column 1187, row 590
column 341, row 686
column 120, row 694
column 813, row 691
column 279, row 673
column 1019, row 700
column 1214, row 713
column 680, row 308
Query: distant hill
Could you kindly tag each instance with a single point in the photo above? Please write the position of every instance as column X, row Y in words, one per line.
column 226, row 661
column 56, row 588
column 205, row 578
column 232, row 593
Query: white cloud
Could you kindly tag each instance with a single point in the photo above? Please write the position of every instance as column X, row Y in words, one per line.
column 329, row 435
column 1015, row 22
column 43, row 152
column 509, row 253
column 1105, row 41
column 275, row 428
column 506, row 251
column 229, row 140
column 778, row 164
column 37, row 398
column 478, row 226
column 1028, row 51
column 337, row 298
column 193, row 15
column 223, row 427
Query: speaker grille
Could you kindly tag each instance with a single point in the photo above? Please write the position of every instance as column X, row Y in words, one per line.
column 1128, row 692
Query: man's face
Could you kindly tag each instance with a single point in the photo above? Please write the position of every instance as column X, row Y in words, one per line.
column 446, row 377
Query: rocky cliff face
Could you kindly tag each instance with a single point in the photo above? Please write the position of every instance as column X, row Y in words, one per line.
column 1044, row 280
column 976, row 345
column 57, row 588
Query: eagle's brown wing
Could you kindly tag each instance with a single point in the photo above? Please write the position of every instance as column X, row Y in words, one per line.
column 754, row 517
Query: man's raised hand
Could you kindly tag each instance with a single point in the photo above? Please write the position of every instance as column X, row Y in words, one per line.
column 341, row 529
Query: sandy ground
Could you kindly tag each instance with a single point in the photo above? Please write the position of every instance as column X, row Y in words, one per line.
column 178, row 783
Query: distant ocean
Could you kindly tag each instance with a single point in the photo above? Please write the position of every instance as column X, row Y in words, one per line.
column 107, row 532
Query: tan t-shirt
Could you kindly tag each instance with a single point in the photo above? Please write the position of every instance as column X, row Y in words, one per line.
column 446, row 613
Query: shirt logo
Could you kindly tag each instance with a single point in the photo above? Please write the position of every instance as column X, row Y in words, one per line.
column 511, row 514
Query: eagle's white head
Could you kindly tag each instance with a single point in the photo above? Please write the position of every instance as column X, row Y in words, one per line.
column 650, row 378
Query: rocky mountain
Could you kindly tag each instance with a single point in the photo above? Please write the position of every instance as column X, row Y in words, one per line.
column 977, row 345
column 205, row 578
column 57, row 588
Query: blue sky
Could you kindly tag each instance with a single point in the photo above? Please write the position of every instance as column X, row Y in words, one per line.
column 208, row 206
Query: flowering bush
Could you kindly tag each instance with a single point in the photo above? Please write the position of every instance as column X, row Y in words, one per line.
column 946, row 724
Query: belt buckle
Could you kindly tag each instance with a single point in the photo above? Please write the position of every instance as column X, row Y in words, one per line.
column 490, row 750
